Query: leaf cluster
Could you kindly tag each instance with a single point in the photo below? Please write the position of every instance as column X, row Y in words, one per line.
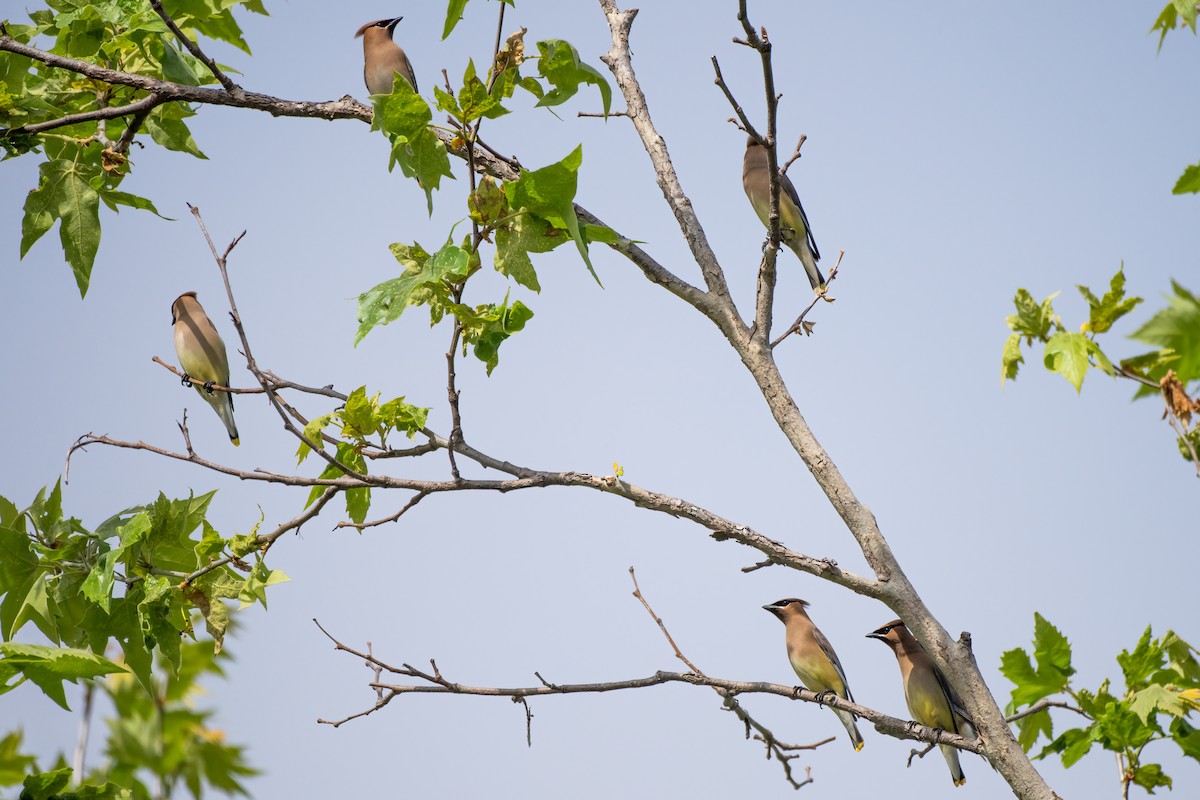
column 360, row 421
column 86, row 162
column 1170, row 371
column 156, row 740
column 129, row 584
column 533, row 213
column 1162, row 689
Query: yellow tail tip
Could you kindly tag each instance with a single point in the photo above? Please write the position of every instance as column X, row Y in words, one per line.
column 859, row 746
column 236, row 442
column 960, row 782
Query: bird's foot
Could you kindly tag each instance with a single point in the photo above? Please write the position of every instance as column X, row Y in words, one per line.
column 823, row 697
column 186, row 380
column 912, row 725
column 796, row 692
column 208, row 386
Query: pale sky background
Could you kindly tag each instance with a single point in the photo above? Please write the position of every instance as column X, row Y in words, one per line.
column 956, row 153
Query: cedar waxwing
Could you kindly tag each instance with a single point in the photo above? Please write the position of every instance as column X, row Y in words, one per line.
column 794, row 229
column 813, row 659
column 202, row 356
column 930, row 699
column 383, row 58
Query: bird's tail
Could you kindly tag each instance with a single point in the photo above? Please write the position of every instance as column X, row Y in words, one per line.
column 809, row 259
column 851, row 728
column 956, row 773
column 222, row 403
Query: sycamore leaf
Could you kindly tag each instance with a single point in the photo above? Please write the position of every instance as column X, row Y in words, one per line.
column 1178, row 327
column 48, row 667
column 549, row 193
column 559, row 64
column 1053, row 654
column 1067, row 354
column 1033, row 320
column 1114, row 305
column 1189, row 181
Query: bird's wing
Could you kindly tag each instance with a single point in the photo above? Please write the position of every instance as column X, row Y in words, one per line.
column 827, row 649
column 956, row 706
column 789, row 189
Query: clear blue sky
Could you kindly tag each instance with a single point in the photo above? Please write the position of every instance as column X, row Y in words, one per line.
column 955, row 154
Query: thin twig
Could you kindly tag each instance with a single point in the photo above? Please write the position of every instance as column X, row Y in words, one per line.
column 418, row 497
column 781, row 751
column 637, row 592
column 800, row 325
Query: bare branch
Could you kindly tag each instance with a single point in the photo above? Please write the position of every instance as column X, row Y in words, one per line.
column 418, row 497
column 717, row 304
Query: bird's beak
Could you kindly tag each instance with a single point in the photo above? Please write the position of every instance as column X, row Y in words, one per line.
column 772, row 609
column 876, row 635
column 391, row 26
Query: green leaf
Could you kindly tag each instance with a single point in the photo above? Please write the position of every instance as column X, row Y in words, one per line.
column 559, row 64
column 18, row 573
column 515, row 240
column 1178, row 327
column 1032, row 727
column 454, row 14
column 1187, row 737
column 175, row 68
column 65, row 194
column 99, row 583
column 115, row 199
column 1011, row 359
column 254, row 589
column 423, row 156
column 1033, row 320
column 493, row 326
column 162, row 617
column 14, row 765
column 474, row 100
column 1157, row 698
column 386, row 302
column 1113, row 306
column 1053, row 654
column 1146, row 659
column 1067, row 354
column 46, row 785
column 1072, row 745
column 1182, row 658
column 401, row 113
column 1118, row 728
column 48, row 667
column 211, row 544
column 1189, row 181
column 549, row 193
column 1150, row 777
column 312, row 432
column 166, row 127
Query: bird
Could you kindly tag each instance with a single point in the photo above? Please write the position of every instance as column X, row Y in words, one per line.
column 813, row 659
column 202, row 357
column 794, row 229
column 930, row 699
column 382, row 57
